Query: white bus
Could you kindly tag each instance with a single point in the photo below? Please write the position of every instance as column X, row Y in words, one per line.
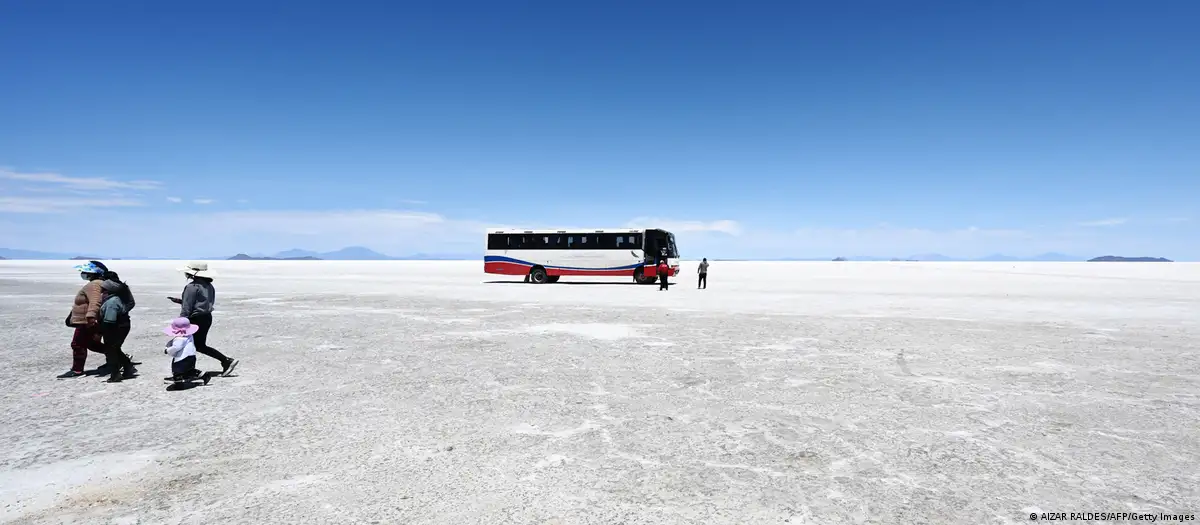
column 543, row 256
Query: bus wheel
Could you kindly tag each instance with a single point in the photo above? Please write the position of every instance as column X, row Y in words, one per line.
column 538, row 275
column 552, row 278
column 639, row 276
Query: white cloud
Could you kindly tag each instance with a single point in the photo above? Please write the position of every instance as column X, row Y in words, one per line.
column 203, row 201
column 891, row 241
column 1116, row 221
column 676, row 226
column 79, row 183
column 380, row 222
column 220, row 233
column 56, row 190
column 46, row 192
column 60, row 204
column 883, row 240
column 413, row 202
column 885, row 231
column 174, row 199
column 880, row 241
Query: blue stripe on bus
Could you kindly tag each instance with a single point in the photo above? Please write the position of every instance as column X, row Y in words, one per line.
column 498, row 258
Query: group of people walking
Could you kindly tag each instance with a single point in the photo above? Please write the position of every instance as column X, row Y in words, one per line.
column 100, row 317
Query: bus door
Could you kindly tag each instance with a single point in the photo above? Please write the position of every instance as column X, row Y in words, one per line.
column 657, row 247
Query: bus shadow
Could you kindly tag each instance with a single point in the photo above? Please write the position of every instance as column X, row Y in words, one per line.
column 574, row 283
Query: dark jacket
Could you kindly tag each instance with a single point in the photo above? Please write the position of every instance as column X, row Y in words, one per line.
column 118, row 301
column 198, row 297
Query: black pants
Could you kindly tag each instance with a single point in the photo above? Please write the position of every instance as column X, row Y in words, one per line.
column 662, row 281
column 204, row 321
column 185, row 367
column 703, row 281
column 114, row 339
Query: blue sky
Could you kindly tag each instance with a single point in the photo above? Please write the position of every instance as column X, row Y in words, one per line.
column 752, row 130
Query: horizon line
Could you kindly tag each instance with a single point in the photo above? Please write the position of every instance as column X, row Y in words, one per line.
column 477, row 258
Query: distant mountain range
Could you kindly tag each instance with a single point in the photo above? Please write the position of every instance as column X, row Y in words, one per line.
column 34, row 255
column 244, row 257
column 937, row 257
column 359, row 253
column 1114, row 258
column 352, row 253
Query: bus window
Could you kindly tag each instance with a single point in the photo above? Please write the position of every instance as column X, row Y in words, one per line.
column 607, row 241
column 618, row 242
column 570, row 241
column 497, row 241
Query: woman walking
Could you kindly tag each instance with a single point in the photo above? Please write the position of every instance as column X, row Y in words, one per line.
column 114, row 327
column 85, row 317
column 196, row 302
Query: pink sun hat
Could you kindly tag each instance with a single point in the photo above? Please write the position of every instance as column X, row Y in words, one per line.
column 181, row 326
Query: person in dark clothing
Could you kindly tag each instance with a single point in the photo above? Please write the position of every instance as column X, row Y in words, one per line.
column 85, row 317
column 197, row 301
column 114, row 327
column 702, row 270
column 111, row 284
column 662, row 275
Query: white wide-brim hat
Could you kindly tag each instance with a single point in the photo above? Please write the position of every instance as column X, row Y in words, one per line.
column 199, row 269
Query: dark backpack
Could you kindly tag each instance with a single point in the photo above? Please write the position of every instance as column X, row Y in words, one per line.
column 126, row 296
column 124, row 293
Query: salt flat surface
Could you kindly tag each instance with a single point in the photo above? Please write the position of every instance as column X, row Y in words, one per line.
column 422, row 392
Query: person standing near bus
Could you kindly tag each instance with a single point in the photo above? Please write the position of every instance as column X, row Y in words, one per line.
column 662, row 274
column 703, row 271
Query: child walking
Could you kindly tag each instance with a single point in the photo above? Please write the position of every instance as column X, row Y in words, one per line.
column 182, row 349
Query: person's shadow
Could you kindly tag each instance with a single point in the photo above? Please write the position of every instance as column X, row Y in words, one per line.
column 105, row 370
column 193, row 383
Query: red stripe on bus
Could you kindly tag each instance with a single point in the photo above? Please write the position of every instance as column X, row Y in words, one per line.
column 509, row 268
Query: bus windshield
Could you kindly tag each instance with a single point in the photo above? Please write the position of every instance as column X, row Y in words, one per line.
column 660, row 244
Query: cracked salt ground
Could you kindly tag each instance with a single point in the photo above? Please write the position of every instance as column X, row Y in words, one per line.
column 849, row 394
column 604, row 331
